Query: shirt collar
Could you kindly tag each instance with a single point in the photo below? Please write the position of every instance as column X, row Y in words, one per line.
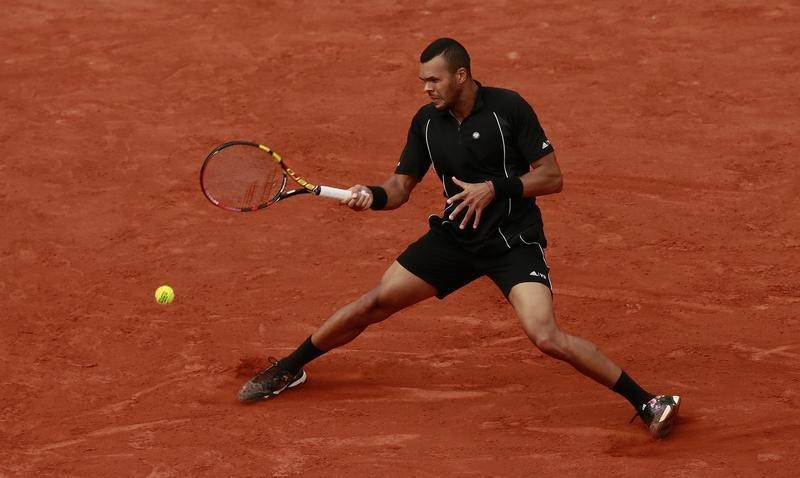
column 479, row 101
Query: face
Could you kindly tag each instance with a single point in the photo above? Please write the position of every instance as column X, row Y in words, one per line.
column 441, row 86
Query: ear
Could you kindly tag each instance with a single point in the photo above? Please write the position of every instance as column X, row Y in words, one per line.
column 461, row 76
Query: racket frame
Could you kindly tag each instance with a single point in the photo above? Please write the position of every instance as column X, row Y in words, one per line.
column 287, row 173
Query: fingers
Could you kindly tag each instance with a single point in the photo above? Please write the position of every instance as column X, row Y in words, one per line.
column 361, row 198
column 473, row 199
column 467, row 218
column 459, row 196
column 457, row 210
column 471, row 211
column 477, row 219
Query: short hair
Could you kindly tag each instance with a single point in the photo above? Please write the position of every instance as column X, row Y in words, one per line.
column 454, row 53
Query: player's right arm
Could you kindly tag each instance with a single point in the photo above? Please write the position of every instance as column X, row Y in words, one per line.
column 414, row 162
column 398, row 189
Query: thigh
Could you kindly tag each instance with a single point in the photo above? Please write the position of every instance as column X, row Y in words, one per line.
column 533, row 304
column 443, row 265
column 399, row 288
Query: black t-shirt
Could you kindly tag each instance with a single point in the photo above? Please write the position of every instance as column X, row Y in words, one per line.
column 501, row 137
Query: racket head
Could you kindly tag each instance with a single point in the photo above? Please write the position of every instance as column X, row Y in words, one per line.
column 242, row 176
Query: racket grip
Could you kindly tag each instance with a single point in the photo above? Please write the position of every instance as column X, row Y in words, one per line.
column 335, row 193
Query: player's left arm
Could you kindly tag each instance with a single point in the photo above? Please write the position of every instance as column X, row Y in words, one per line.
column 543, row 178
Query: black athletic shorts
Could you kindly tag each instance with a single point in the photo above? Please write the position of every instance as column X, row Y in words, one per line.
column 443, row 264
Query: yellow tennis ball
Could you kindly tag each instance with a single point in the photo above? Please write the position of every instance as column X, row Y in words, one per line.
column 165, row 294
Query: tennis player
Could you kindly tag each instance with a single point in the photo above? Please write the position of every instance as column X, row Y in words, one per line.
column 490, row 153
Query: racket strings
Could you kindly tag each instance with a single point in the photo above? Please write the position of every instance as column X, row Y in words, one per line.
column 273, row 185
column 242, row 177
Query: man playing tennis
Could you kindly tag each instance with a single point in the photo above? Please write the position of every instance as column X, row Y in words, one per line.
column 493, row 159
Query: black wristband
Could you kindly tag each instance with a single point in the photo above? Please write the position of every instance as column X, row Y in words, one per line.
column 506, row 188
column 379, row 197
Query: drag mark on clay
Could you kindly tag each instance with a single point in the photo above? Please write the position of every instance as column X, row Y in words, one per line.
column 360, row 441
column 410, row 394
column 757, row 354
column 103, row 432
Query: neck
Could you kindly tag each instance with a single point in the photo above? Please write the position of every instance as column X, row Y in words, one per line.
column 466, row 101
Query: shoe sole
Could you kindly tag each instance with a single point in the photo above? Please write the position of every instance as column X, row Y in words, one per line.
column 259, row 397
column 664, row 425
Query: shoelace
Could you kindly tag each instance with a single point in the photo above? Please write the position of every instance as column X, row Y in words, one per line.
column 273, row 364
column 282, row 375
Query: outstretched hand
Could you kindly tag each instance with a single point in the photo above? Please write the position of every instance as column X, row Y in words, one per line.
column 474, row 199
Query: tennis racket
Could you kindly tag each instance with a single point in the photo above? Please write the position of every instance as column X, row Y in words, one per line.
column 243, row 176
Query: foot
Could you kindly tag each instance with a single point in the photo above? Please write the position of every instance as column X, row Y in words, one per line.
column 659, row 414
column 270, row 382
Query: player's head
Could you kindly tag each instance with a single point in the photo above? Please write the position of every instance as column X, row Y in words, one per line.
column 444, row 70
column 453, row 52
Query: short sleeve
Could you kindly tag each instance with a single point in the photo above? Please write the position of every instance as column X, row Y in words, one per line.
column 415, row 160
column 531, row 139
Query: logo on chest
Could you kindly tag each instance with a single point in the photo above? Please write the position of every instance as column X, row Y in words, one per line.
column 476, row 135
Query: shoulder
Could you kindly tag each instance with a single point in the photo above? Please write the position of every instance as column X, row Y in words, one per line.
column 510, row 104
column 425, row 112
column 422, row 116
column 502, row 96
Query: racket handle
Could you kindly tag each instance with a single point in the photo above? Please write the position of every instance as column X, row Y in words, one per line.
column 335, row 193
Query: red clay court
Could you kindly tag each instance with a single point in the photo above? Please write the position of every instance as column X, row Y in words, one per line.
column 674, row 246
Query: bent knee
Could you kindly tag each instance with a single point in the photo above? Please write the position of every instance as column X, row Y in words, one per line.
column 550, row 344
column 368, row 303
column 372, row 307
column 550, row 341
